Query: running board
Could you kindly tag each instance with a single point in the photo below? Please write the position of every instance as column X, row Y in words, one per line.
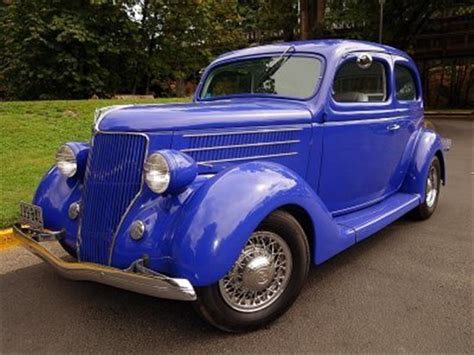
column 370, row 220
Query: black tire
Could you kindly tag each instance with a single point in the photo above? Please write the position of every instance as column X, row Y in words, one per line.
column 211, row 305
column 426, row 209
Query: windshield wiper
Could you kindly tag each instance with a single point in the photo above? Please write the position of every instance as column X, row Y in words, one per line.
column 272, row 69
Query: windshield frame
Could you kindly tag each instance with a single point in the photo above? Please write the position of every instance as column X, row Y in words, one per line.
column 218, row 63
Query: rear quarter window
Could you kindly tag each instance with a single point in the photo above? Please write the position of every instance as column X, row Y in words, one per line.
column 405, row 84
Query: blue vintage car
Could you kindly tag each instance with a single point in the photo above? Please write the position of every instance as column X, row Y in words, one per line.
column 289, row 154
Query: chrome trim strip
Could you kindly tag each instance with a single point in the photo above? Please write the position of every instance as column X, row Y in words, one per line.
column 101, row 112
column 247, row 158
column 363, row 121
column 144, row 281
column 261, row 144
column 212, row 134
column 414, row 198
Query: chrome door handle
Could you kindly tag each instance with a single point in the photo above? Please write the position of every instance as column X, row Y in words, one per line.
column 393, row 127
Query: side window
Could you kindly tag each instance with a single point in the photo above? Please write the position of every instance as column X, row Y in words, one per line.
column 356, row 84
column 405, row 83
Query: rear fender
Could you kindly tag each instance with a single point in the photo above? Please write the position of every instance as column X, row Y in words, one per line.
column 429, row 144
column 216, row 222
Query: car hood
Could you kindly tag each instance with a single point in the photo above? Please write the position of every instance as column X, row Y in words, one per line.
column 204, row 115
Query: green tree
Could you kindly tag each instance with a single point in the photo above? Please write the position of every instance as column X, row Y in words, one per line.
column 179, row 38
column 269, row 20
column 404, row 19
column 67, row 49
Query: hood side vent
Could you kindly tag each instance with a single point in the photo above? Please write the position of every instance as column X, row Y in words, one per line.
column 224, row 147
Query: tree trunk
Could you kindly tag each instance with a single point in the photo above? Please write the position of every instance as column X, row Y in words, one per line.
column 147, row 87
column 311, row 17
column 304, row 19
column 317, row 15
column 134, row 87
column 180, row 88
column 320, row 9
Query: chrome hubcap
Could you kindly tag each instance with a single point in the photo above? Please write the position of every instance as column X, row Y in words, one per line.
column 260, row 275
column 432, row 187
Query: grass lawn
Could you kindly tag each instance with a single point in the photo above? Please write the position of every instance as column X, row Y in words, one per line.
column 31, row 132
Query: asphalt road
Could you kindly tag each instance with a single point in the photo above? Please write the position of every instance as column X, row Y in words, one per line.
column 407, row 289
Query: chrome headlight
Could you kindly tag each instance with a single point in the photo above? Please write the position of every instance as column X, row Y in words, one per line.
column 169, row 171
column 66, row 161
column 157, row 173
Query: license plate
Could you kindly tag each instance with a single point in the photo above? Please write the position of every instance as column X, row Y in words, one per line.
column 31, row 215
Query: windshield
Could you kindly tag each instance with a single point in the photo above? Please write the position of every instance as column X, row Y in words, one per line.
column 290, row 76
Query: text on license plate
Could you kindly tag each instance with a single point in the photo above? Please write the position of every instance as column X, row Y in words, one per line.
column 31, row 214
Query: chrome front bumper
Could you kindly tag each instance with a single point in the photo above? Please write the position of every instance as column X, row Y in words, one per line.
column 137, row 278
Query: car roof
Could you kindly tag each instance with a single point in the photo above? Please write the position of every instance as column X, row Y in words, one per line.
column 329, row 48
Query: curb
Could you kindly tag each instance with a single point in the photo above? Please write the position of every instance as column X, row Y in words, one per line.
column 7, row 240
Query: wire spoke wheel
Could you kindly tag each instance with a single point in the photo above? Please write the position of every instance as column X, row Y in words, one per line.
column 432, row 192
column 264, row 281
column 432, row 186
column 260, row 275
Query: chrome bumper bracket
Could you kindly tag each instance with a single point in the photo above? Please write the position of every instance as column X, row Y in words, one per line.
column 40, row 235
column 136, row 278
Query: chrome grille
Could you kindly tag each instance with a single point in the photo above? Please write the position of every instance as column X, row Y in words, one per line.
column 113, row 179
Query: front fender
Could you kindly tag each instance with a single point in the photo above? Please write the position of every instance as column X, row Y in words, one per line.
column 429, row 144
column 54, row 195
column 216, row 222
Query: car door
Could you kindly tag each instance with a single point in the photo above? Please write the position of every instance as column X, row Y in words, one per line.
column 364, row 137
